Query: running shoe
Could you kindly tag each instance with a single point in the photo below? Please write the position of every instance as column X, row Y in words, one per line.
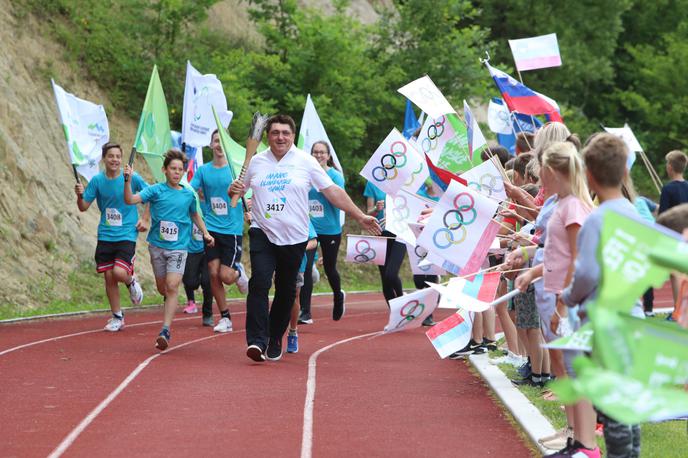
column 528, row 382
column 208, row 321
column 224, row 325
column 525, row 370
column 135, row 291
column 339, row 306
column 577, row 450
column 163, row 340
column 114, row 324
column 242, row 281
column 255, row 353
column 305, row 318
column 460, row 354
column 191, row 307
column 274, row 350
column 428, row 321
column 293, row 343
column 491, row 345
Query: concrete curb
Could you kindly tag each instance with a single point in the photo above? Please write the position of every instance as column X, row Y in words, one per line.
column 526, row 414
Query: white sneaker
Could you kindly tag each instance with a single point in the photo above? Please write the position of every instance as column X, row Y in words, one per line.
column 515, row 360
column 114, row 324
column 135, row 292
column 242, row 281
column 224, row 325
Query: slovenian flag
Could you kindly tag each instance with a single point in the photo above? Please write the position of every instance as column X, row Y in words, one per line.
column 476, row 139
column 451, row 334
column 442, row 177
column 521, row 98
column 474, row 294
column 536, row 52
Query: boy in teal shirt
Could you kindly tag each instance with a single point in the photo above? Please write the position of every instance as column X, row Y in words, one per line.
column 173, row 207
column 117, row 231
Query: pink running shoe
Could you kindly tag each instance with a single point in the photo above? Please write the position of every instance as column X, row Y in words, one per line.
column 191, row 307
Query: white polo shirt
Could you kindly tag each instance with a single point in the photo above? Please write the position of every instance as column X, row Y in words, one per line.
column 280, row 193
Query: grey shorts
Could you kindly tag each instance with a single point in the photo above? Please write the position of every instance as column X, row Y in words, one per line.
column 546, row 304
column 299, row 280
column 167, row 261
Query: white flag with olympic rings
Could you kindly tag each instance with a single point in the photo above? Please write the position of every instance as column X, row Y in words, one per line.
column 427, row 97
column 460, row 229
column 366, row 249
column 395, row 164
column 409, row 311
column 486, row 179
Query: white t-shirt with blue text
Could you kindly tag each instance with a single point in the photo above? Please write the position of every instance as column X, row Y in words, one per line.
column 280, row 193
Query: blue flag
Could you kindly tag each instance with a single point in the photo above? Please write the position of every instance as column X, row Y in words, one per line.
column 411, row 123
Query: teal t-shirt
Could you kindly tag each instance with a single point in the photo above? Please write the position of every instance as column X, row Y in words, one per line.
column 196, row 242
column 325, row 217
column 219, row 215
column 377, row 194
column 117, row 219
column 171, row 211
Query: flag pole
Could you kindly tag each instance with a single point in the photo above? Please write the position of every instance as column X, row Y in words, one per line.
column 76, row 174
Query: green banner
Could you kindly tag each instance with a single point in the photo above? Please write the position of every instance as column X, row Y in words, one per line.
column 621, row 397
column 454, row 156
column 580, row 340
column 153, row 137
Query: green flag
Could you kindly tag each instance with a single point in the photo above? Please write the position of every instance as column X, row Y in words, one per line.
column 153, row 137
column 620, row 397
column 234, row 152
column 454, row 156
column 626, row 271
column 580, row 340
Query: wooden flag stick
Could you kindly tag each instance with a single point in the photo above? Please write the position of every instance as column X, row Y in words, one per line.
column 653, row 173
column 76, row 174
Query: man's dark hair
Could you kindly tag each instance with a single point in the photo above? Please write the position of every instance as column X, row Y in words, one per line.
column 281, row 119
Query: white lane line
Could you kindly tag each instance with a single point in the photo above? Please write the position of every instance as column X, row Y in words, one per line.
column 72, row 436
column 52, row 339
column 307, row 437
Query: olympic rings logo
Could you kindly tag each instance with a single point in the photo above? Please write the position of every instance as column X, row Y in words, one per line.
column 412, row 178
column 422, row 253
column 463, row 214
column 391, row 162
column 409, row 312
column 433, row 133
column 489, row 183
column 364, row 252
column 401, row 211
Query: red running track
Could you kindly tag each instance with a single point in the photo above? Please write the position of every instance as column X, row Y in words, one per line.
column 384, row 396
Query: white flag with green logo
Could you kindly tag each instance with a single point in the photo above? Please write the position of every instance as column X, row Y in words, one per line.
column 86, row 130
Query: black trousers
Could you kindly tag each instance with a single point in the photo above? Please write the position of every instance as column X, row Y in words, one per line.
column 329, row 245
column 419, row 282
column 196, row 274
column 648, row 300
column 389, row 272
column 262, row 321
column 307, row 288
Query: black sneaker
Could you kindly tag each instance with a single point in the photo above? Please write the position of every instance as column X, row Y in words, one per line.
column 255, row 353
column 528, row 382
column 305, row 318
column 479, row 350
column 525, row 370
column 491, row 345
column 339, row 306
column 274, row 350
column 467, row 350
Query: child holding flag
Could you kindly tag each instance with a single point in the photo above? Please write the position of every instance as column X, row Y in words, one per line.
column 173, row 207
column 117, row 231
column 605, row 167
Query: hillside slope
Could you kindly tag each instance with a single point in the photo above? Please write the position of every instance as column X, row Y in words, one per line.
column 44, row 239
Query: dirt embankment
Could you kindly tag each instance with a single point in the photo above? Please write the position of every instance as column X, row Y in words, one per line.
column 43, row 236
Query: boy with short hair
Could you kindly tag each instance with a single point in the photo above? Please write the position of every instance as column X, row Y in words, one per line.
column 173, row 207
column 675, row 192
column 117, row 231
column 605, row 169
